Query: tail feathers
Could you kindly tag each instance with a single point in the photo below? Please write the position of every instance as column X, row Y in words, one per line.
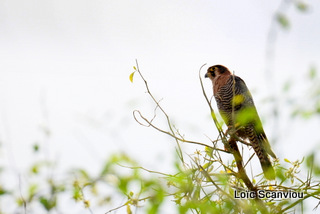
column 262, row 149
column 263, row 138
column 267, row 168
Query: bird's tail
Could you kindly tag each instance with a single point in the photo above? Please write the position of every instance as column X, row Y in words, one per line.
column 266, row 165
column 267, row 168
column 257, row 142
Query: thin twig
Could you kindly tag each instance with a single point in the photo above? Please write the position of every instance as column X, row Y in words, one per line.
column 21, row 196
column 300, row 200
column 207, row 176
column 162, row 110
column 127, row 203
column 151, row 171
column 166, row 132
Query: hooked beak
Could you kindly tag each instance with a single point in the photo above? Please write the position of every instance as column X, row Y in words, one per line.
column 206, row 75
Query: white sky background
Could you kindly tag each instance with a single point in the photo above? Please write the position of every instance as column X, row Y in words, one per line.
column 65, row 65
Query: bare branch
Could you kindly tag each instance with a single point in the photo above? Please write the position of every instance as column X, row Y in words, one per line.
column 162, row 110
column 166, row 132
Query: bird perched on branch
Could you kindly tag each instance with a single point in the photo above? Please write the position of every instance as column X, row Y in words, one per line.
column 237, row 109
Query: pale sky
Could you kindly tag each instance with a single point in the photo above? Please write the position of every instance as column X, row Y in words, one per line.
column 65, row 65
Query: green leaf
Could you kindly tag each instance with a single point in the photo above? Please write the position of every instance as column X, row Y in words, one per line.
column 123, row 184
column 318, row 107
column 48, row 204
column 280, row 174
column 312, row 72
column 306, row 114
column 287, row 86
column 310, row 160
column 33, row 188
column 206, row 165
column 213, row 115
column 283, row 21
column 84, row 174
column 303, row 7
column 208, row 151
column 35, row 169
column 131, row 76
column 20, row 202
column 77, row 195
column 35, row 147
column 2, row 191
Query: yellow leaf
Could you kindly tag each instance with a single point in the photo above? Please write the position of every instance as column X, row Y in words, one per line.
column 86, row 203
column 129, row 209
column 131, row 76
column 134, row 67
column 286, row 160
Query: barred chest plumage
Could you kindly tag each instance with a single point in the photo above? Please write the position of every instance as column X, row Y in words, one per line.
column 224, row 94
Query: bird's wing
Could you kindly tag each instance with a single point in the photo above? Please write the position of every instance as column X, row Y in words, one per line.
column 248, row 113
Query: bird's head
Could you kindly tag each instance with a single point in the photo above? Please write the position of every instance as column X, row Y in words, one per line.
column 216, row 71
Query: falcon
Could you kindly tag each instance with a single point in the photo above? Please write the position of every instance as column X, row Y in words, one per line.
column 238, row 111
